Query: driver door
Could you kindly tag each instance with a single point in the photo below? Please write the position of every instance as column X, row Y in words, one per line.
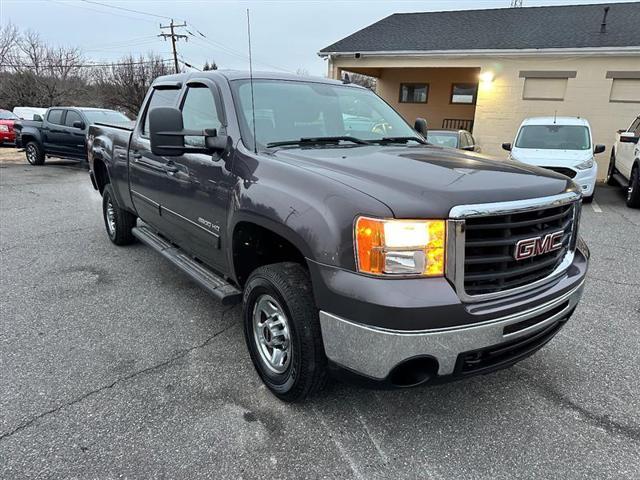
column 195, row 202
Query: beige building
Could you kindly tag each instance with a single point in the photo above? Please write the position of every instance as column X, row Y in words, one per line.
column 487, row 70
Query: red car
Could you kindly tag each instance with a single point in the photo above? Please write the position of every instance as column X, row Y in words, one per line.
column 7, row 133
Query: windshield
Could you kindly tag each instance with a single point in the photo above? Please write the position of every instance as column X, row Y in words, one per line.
column 106, row 116
column 292, row 110
column 445, row 139
column 559, row 137
column 7, row 115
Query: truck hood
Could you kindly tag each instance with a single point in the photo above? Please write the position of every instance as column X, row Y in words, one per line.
column 427, row 181
column 551, row 157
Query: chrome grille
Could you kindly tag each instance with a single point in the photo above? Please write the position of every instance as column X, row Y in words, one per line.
column 490, row 241
column 483, row 239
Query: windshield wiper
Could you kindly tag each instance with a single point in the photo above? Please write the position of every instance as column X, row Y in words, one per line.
column 386, row 140
column 318, row 141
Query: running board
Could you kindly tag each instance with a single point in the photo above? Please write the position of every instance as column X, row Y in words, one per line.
column 214, row 284
column 620, row 179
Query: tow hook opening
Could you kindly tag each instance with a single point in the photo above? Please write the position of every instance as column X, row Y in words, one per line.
column 413, row 372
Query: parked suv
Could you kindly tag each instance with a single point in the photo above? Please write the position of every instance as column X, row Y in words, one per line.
column 445, row 137
column 560, row 144
column 351, row 250
column 624, row 166
column 62, row 133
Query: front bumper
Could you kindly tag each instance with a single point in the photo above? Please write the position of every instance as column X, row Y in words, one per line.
column 375, row 352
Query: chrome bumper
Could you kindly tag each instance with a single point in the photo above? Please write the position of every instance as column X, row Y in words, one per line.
column 374, row 352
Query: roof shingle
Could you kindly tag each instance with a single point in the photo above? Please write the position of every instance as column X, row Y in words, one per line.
column 571, row 26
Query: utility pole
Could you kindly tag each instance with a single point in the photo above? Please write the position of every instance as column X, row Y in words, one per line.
column 174, row 36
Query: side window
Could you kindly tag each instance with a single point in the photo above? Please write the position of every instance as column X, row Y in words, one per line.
column 159, row 98
column 199, row 112
column 72, row 117
column 55, row 116
column 464, row 141
column 635, row 126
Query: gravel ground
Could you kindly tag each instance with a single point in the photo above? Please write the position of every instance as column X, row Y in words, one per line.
column 114, row 364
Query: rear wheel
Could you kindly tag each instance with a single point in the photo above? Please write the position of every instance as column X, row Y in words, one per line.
column 282, row 331
column 34, row 153
column 117, row 221
column 589, row 199
column 633, row 192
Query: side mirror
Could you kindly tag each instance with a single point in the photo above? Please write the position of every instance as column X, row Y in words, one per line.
column 469, row 148
column 506, row 146
column 599, row 148
column 37, row 117
column 78, row 124
column 420, row 126
column 165, row 130
column 167, row 134
column 628, row 137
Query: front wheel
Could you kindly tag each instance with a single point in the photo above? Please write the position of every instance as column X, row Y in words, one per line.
column 633, row 192
column 282, row 331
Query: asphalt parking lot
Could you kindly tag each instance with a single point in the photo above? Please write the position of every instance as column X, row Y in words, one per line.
column 114, row 364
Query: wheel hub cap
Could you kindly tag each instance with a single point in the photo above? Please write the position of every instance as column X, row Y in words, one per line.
column 271, row 334
column 111, row 218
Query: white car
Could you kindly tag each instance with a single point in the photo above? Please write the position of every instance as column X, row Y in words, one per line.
column 561, row 144
column 624, row 167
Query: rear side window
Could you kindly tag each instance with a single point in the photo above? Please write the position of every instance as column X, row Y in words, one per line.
column 55, row 116
column 71, row 118
column 159, row 98
column 198, row 113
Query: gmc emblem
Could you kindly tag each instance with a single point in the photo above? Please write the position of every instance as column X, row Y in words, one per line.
column 531, row 247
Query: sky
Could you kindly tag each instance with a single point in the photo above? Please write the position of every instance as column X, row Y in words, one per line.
column 286, row 34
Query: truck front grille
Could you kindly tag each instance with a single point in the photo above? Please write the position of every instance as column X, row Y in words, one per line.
column 490, row 265
column 564, row 171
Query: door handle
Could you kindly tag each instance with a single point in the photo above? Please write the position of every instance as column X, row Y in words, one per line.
column 170, row 168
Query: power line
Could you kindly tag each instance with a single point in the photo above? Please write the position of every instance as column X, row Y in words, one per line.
column 127, row 9
column 102, row 11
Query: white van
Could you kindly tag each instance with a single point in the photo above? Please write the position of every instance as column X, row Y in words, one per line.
column 561, row 144
column 27, row 113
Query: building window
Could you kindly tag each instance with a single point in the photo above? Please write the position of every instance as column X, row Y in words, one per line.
column 625, row 90
column 544, row 89
column 464, row 93
column 414, row 92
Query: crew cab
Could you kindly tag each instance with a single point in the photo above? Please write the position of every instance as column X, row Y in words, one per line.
column 624, row 166
column 560, row 144
column 62, row 132
column 355, row 250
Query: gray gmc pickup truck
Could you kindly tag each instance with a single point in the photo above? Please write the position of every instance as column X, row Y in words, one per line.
column 355, row 247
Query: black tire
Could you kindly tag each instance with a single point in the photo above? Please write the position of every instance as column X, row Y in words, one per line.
column 589, row 199
column 34, row 153
column 120, row 231
column 288, row 284
column 610, row 180
column 633, row 193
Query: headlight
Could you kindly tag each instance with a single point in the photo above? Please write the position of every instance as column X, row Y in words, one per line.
column 4, row 128
column 400, row 247
column 585, row 165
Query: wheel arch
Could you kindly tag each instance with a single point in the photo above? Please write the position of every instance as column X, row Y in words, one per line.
column 258, row 241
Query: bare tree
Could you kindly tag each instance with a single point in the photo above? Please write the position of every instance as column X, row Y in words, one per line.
column 124, row 84
column 362, row 80
column 8, row 37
